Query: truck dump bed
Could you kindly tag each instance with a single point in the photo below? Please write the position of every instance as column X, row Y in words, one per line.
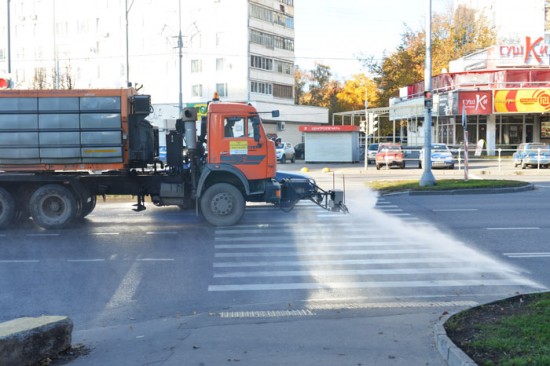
column 63, row 129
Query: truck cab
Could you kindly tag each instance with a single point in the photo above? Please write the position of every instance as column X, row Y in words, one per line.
column 236, row 138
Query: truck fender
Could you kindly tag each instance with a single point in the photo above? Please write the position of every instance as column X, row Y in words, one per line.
column 210, row 169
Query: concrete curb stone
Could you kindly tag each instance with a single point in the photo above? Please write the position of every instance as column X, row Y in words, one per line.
column 26, row 341
column 453, row 355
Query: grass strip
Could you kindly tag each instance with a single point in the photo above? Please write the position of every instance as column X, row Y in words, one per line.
column 443, row 184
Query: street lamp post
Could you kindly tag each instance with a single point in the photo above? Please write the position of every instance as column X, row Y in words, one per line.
column 9, row 39
column 127, row 11
column 180, row 47
column 428, row 178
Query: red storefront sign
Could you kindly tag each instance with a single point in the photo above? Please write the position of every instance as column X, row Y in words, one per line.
column 475, row 102
column 328, row 128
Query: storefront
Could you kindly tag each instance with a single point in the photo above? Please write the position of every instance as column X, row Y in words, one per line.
column 505, row 98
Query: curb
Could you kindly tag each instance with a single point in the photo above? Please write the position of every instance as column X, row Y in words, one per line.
column 27, row 341
column 453, row 355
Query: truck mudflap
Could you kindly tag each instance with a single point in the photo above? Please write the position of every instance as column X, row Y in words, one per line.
column 296, row 187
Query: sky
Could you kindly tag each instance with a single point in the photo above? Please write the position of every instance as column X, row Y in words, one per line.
column 334, row 33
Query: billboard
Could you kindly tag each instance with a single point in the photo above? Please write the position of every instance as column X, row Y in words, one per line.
column 522, row 101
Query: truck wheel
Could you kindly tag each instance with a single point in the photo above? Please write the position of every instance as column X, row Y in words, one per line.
column 7, row 208
column 53, row 206
column 222, row 204
column 88, row 206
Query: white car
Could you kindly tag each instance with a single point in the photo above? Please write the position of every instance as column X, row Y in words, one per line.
column 441, row 157
column 285, row 152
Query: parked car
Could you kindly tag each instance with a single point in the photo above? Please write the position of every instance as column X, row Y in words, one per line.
column 442, row 157
column 389, row 154
column 372, row 149
column 285, row 152
column 300, row 151
column 532, row 154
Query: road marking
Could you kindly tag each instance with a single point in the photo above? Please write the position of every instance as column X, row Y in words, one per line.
column 19, row 261
column 42, row 234
column 161, row 233
column 350, row 272
column 370, row 284
column 91, row 260
column 528, row 255
column 102, row 234
column 393, row 305
column 127, row 288
column 388, row 243
column 514, row 228
column 307, row 236
column 326, row 253
column 292, row 230
column 454, row 209
column 265, row 313
column 334, row 262
column 155, row 259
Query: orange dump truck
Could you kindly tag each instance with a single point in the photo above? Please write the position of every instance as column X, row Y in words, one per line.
column 59, row 149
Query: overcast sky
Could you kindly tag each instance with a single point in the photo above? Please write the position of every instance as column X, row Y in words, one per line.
column 335, row 32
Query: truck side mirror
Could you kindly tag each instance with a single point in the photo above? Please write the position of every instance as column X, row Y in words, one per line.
column 275, row 113
column 256, row 128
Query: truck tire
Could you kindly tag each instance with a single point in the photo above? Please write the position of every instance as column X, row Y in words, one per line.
column 222, row 204
column 53, row 206
column 7, row 208
column 87, row 207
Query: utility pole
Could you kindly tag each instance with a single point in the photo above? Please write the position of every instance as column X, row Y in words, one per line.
column 180, row 47
column 9, row 39
column 428, row 178
column 127, row 11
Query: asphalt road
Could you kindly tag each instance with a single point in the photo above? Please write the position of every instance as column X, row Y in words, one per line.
column 306, row 287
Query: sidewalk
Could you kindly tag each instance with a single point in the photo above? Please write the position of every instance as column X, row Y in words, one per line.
column 400, row 337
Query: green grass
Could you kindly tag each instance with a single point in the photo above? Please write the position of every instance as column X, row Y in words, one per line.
column 507, row 334
column 443, row 184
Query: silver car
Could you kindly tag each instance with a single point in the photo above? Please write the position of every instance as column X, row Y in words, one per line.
column 285, row 152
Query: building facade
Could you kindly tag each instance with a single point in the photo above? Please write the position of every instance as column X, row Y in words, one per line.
column 499, row 96
column 241, row 49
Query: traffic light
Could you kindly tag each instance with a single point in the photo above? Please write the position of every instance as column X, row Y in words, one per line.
column 373, row 123
column 428, row 99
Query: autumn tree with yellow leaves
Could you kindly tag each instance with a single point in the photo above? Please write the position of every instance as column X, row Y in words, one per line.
column 454, row 35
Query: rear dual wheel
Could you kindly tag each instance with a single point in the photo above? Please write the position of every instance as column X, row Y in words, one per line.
column 53, row 206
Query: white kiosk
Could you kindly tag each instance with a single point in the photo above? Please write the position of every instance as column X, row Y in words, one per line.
column 331, row 144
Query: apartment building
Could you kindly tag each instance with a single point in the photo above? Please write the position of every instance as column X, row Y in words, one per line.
column 241, row 49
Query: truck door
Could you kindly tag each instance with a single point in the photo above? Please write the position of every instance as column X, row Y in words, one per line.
column 245, row 146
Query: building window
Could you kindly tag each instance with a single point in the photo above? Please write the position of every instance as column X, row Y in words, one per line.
column 261, row 87
column 222, row 89
column 261, row 13
column 284, row 67
column 261, row 38
column 283, row 43
column 282, row 91
column 196, row 65
column 260, row 62
column 220, row 64
column 196, row 90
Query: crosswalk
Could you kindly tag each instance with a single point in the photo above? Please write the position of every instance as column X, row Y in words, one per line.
column 373, row 253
